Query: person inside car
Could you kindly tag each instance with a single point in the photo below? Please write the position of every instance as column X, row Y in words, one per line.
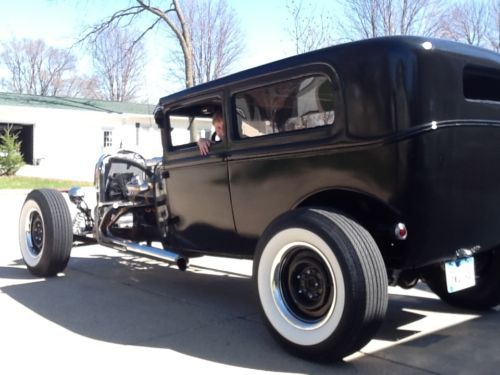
column 205, row 144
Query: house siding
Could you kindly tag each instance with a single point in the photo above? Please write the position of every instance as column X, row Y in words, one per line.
column 68, row 142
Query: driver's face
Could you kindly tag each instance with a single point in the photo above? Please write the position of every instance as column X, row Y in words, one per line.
column 219, row 128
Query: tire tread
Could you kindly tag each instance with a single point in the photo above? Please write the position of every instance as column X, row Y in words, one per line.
column 365, row 269
column 58, row 233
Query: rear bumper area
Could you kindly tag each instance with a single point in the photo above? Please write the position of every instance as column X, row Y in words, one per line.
column 452, row 199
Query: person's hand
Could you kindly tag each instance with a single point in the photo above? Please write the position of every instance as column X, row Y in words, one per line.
column 204, row 146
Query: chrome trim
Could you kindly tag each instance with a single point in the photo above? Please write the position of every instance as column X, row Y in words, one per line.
column 100, row 167
column 76, row 194
column 397, row 231
column 154, row 161
column 148, row 251
column 111, row 211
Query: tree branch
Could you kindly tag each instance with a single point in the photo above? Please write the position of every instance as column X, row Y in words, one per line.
column 115, row 18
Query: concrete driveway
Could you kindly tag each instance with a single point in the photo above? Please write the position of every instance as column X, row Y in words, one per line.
column 122, row 314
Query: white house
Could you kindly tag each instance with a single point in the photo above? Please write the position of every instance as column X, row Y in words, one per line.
column 64, row 137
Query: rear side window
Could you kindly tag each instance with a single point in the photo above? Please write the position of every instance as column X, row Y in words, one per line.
column 292, row 105
column 481, row 84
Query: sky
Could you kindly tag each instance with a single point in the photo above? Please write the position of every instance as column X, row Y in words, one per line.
column 60, row 22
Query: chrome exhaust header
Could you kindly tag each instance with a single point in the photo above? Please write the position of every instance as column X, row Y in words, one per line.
column 109, row 211
column 148, row 251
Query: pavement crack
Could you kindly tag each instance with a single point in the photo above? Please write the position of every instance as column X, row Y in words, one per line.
column 137, row 287
column 401, row 364
column 146, row 342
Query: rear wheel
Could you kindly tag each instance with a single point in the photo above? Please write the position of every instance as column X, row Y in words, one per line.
column 322, row 283
column 484, row 295
column 45, row 232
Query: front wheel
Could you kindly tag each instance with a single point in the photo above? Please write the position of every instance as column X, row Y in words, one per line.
column 45, row 232
column 322, row 283
column 484, row 295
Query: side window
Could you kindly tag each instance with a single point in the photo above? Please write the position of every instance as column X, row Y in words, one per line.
column 190, row 123
column 189, row 129
column 296, row 104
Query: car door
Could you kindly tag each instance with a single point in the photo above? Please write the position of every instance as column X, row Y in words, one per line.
column 197, row 186
column 278, row 126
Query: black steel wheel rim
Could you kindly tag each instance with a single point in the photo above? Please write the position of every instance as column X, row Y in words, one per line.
column 306, row 285
column 36, row 233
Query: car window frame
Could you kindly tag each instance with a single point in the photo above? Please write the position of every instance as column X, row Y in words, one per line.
column 289, row 137
column 211, row 97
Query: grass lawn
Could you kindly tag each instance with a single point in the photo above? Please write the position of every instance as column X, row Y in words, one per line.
column 18, row 182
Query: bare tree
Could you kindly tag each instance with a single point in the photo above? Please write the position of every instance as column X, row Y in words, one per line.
column 174, row 17
column 38, row 69
column 216, row 38
column 83, row 86
column 467, row 22
column 494, row 33
column 373, row 18
column 118, row 63
column 309, row 27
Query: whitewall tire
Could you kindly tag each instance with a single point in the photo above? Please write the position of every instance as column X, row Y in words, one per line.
column 321, row 283
column 45, row 232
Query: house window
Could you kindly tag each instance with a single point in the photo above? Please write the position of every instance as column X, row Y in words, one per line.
column 108, row 138
column 291, row 105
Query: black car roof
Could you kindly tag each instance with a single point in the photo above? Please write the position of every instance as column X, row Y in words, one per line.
column 351, row 53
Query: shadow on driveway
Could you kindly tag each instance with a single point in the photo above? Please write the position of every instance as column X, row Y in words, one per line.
column 131, row 301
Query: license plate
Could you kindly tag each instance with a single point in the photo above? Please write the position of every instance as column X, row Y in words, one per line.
column 460, row 274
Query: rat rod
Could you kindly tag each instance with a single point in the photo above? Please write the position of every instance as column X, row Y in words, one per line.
column 340, row 172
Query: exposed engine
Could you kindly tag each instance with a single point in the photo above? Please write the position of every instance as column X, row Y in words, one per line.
column 128, row 206
column 131, row 209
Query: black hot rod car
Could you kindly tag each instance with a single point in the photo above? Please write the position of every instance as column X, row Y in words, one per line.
column 340, row 172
